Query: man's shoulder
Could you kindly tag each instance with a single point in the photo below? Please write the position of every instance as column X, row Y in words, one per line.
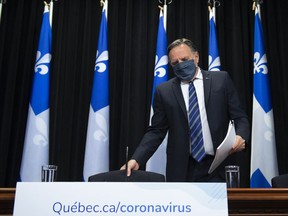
column 167, row 85
column 214, row 73
column 169, row 82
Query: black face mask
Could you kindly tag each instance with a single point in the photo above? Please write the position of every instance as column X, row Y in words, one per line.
column 185, row 70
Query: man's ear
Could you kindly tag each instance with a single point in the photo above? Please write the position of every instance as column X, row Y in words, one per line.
column 196, row 58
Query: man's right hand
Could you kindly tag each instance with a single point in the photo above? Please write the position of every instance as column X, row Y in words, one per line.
column 132, row 165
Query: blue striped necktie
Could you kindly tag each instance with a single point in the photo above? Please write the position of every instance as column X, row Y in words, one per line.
column 196, row 137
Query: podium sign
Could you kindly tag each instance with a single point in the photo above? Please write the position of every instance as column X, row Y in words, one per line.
column 120, row 199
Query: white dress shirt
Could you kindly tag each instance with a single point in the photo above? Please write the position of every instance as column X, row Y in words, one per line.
column 198, row 83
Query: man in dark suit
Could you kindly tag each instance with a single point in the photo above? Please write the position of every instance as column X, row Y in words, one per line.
column 218, row 103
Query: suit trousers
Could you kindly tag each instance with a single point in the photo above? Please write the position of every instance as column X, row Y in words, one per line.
column 198, row 171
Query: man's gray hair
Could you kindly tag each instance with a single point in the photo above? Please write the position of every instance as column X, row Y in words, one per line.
column 181, row 41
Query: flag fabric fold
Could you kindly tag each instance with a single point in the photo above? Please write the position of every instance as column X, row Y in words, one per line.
column 36, row 143
column 264, row 164
column 0, row 11
column 97, row 141
column 213, row 58
column 157, row 163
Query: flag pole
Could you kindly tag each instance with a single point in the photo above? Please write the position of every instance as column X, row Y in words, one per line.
column 164, row 8
column 165, row 14
column 36, row 151
column 50, row 8
column 214, row 62
column 51, row 12
column 102, row 3
column 212, row 8
column 1, row 4
column 256, row 4
column 96, row 159
column 264, row 164
column 0, row 10
column 157, row 163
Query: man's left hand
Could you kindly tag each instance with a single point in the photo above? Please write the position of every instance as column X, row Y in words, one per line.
column 239, row 145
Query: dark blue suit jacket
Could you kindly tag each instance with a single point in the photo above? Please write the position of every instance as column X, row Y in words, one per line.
column 222, row 105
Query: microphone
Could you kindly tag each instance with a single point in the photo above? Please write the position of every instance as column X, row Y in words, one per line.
column 126, row 166
column 127, row 149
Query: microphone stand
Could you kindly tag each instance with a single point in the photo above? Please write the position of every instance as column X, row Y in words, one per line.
column 126, row 167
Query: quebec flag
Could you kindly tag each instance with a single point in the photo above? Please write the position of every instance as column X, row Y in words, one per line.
column 97, row 140
column 36, row 144
column 214, row 58
column 157, row 163
column 263, row 152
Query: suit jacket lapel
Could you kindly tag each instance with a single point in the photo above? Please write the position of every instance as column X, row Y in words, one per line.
column 207, row 80
column 179, row 96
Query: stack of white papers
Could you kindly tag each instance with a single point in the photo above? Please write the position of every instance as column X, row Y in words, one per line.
column 224, row 148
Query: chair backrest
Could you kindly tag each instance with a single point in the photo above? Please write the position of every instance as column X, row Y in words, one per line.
column 120, row 176
column 280, row 181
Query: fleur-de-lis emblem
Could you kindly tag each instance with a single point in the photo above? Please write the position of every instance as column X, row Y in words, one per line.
column 260, row 63
column 41, row 137
column 102, row 133
column 214, row 65
column 41, row 63
column 100, row 65
column 160, row 71
column 269, row 133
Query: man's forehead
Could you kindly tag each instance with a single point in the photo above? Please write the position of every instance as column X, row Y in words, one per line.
column 182, row 50
column 182, row 46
